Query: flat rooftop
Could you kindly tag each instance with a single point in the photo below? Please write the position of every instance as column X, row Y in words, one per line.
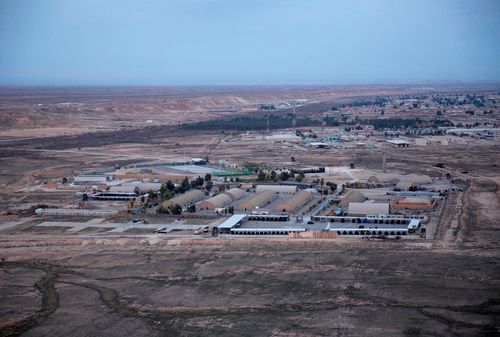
column 232, row 221
column 414, row 199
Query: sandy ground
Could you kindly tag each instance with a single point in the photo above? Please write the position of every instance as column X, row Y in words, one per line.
column 151, row 285
column 89, row 284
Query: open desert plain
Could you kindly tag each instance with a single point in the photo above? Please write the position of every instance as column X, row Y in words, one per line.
column 115, row 272
column 249, row 168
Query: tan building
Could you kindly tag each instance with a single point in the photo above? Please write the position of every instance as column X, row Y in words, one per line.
column 219, row 201
column 352, row 196
column 384, row 178
column 185, row 199
column 260, row 199
column 236, row 193
column 285, row 189
column 222, row 200
column 368, row 208
column 294, row 203
column 415, row 203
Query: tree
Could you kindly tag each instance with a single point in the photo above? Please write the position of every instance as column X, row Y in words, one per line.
column 299, row 177
column 208, row 177
column 322, row 181
column 152, row 195
column 170, row 185
column 231, row 209
column 261, row 176
column 176, row 209
column 191, row 208
column 209, row 185
column 284, row 175
column 185, row 184
column 200, row 181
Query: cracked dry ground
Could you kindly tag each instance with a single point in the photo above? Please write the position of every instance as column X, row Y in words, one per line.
column 263, row 289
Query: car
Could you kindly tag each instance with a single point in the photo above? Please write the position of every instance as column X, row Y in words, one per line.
column 310, row 222
column 162, row 230
column 202, row 230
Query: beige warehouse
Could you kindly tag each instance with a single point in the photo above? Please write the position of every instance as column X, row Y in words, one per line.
column 261, row 199
column 294, row 203
column 352, row 196
column 220, row 200
column 368, row 208
column 236, row 193
column 185, row 199
column 286, row 189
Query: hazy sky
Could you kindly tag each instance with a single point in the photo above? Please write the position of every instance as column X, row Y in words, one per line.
column 248, row 41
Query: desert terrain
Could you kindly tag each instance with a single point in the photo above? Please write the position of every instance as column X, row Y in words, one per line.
column 96, row 283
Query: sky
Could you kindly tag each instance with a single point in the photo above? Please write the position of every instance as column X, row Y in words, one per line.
column 248, row 42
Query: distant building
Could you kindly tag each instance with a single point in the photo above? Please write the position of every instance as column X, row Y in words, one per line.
column 352, row 196
column 218, row 201
column 73, row 212
column 368, row 208
column 222, row 200
column 97, row 179
column 276, row 189
column 260, row 199
column 319, row 145
column 198, row 161
column 415, row 203
column 106, row 195
column 399, row 142
column 294, row 203
column 185, row 199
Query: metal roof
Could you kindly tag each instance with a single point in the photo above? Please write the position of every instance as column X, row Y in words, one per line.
column 298, row 200
column 393, row 229
column 259, row 200
column 232, row 221
column 276, row 188
column 368, row 208
column 268, row 230
column 414, row 223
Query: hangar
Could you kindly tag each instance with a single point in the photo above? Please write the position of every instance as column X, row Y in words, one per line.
column 259, row 200
column 286, row 189
column 294, row 203
column 218, row 201
column 368, row 208
column 352, row 196
column 185, row 199
column 222, row 200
